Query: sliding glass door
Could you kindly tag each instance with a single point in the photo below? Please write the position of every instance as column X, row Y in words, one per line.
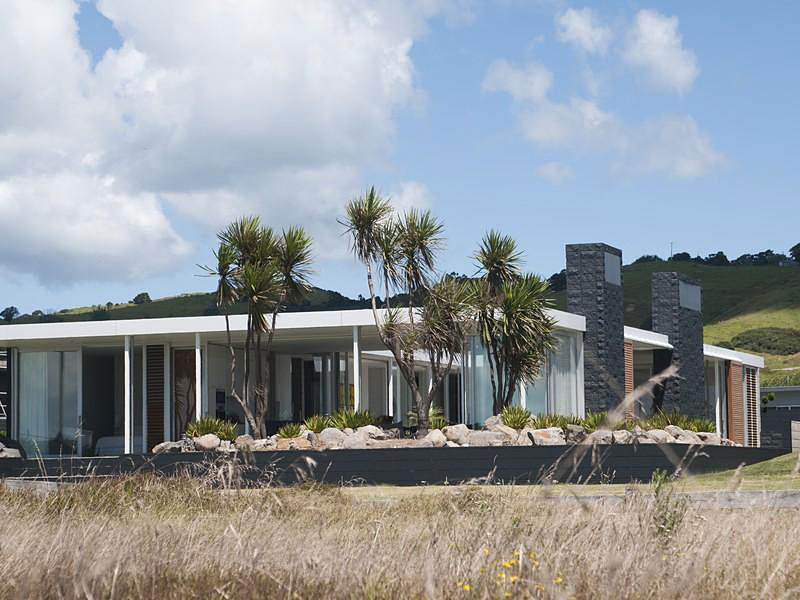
column 48, row 402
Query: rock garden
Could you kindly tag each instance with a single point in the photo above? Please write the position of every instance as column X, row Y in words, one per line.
column 514, row 427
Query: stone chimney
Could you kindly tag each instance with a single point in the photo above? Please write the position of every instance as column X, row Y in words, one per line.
column 677, row 305
column 594, row 290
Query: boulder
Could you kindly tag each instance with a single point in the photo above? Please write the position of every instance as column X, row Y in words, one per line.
column 264, row 445
column 422, row 443
column 348, row 431
column 375, row 433
column 437, row 438
column 452, row 444
column 309, row 435
column 357, row 441
column 296, row 443
column 575, row 434
column 168, row 448
column 492, row 421
column 207, row 442
column 659, row 436
column 226, row 446
column 708, row 437
column 622, row 436
column 10, row 453
column 550, row 436
column 487, row 438
column 244, row 443
column 682, row 436
column 330, row 437
column 523, row 439
column 457, row 433
column 601, row 436
column 507, row 431
column 640, row 436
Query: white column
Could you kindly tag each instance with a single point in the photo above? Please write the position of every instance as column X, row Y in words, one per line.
column 390, row 366
column 13, row 424
column 717, row 398
column 80, row 402
column 128, row 396
column 430, row 379
column 205, row 378
column 144, row 398
column 356, row 367
column 167, row 393
column 198, row 378
column 523, row 395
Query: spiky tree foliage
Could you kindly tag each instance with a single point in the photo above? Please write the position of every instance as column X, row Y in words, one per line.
column 402, row 250
column 511, row 310
column 266, row 271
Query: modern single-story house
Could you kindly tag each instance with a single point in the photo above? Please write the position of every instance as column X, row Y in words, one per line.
column 112, row 387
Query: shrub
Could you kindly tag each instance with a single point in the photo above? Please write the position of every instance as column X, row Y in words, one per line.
column 515, row 417
column 674, row 417
column 290, row 430
column 772, row 340
column 545, row 421
column 224, row 430
column 351, row 418
column 727, row 345
column 317, row 423
column 594, row 421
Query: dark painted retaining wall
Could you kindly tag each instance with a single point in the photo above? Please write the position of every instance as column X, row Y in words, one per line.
column 415, row 466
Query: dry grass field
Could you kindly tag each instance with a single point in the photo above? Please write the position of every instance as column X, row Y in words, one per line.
column 150, row 537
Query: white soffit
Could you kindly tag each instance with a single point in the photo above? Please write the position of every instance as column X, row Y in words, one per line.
column 750, row 360
column 648, row 339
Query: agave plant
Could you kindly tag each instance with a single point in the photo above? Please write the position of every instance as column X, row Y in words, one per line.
column 515, row 417
column 317, row 423
column 290, row 430
column 224, row 430
column 352, row 419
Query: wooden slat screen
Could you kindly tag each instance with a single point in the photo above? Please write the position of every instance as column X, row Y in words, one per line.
column 735, row 403
column 751, row 402
column 155, row 396
column 629, row 383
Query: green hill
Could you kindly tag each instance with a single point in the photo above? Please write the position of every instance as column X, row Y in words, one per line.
column 736, row 299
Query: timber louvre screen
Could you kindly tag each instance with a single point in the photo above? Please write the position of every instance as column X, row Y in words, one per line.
column 751, row 407
column 155, row 396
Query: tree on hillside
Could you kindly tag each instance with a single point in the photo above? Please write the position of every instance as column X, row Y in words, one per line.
column 717, row 259
column 401, row 251
column 512, row 320
column 266, row 271
column 795, row 252
column 9, row 313
column 143, row 298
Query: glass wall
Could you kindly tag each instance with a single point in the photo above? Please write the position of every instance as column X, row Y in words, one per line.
column 48, row 402
column 558, row 390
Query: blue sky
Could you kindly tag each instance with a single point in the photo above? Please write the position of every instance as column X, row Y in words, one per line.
column 128, row 142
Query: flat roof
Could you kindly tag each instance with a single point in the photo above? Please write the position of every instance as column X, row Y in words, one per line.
column 9, row 334
column 751, row 360
column 647, row 339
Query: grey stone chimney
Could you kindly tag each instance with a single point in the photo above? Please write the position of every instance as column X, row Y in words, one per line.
column 594, row 290
column 677, row 304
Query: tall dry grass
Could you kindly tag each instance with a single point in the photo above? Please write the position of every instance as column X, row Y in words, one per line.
column 151, row 537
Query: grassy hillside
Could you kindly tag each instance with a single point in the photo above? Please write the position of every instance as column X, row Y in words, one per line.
column 735, row 299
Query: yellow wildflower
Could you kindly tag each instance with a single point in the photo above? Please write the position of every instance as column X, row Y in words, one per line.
column 558, row 580
column 467, row 587
column 514, row 578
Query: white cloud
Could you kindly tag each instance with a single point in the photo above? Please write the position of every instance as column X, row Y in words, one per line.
column 266, row 107
column 411, row 194
column 555, row 172
column 65, row 227
column 655, row 46
column 578, row 27
column 531, row 82
column 674, row 146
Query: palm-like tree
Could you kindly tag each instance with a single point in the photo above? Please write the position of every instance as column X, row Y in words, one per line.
column 403, row 250
column 511, row 312
column 266, row 271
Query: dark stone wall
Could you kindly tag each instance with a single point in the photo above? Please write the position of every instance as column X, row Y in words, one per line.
column 776, row 427
column 684, row 327
column 601, row 302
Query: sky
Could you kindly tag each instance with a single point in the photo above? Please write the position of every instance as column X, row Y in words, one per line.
column 131, row 132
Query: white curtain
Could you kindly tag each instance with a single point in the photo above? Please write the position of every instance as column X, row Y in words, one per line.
column 563, row 376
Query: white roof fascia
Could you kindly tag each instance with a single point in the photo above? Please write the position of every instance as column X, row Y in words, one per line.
column 650, row 339
column 751, row 360
column 216, row 324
